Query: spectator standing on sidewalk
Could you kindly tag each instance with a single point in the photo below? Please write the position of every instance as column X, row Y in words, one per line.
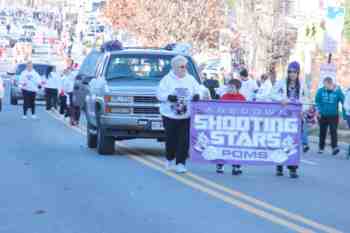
column 175, row 92
column 30, row 83
column 51, row 89
column 327, row 105
column 232, row 94
column 265, row 87
column 292, row 90
column 347, row 113
column 212, row 84
column 249, row 86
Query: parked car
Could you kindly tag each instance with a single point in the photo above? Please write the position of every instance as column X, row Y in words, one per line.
column 15, row 91
column 119, row 88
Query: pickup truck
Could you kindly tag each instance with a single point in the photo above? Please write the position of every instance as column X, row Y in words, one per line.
column 119, row 88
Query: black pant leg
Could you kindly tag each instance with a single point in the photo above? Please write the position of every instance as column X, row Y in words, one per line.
column 63, row 104
column 55, row 98
column 47, row 98
column 78, row 112
column 279, row 168
column 333, row 127
column 183, row 141
column 32, row 102
column 25, row 101
column 323, row 122
column 70, row 105
column 171, row 138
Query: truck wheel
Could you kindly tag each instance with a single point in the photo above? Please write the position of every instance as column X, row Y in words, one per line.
column 105, row 144
column 91, row 138
column 13, row 100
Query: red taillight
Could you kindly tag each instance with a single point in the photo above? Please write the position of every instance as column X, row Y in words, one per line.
column 108, row 98
column 108, row 109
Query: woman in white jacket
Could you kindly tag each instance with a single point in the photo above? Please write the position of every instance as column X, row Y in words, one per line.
column 2, row 92
column 53, row 83
column 30, row 83
column 175, row 92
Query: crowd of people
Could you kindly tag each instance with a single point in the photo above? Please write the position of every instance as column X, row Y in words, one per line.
column 178, row 89
column 58, row 89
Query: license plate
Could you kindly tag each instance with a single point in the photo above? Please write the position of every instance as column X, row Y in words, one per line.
column 157, row 125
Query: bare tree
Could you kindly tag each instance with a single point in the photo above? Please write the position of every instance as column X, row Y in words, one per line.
column 157, row 22
column 266, row 35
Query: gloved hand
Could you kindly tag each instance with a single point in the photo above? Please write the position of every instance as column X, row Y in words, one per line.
column 345, row 116
column 172, row 98
column 195, row 98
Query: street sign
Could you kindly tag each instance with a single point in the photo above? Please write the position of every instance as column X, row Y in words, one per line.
column 334, row 27
column 330, row 45
column 327, row 70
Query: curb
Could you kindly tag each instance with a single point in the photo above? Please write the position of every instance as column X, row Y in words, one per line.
column 314, row 140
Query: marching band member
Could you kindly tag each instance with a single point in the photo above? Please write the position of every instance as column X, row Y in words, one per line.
column 232, row 94
column 175, row 92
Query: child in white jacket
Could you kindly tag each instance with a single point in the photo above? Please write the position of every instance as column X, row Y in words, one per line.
column 66, row 91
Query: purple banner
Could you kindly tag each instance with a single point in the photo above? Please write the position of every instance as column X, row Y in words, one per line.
column 249, row 133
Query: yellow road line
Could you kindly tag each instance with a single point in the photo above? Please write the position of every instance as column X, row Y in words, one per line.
column 228, row 199
column 255, row 201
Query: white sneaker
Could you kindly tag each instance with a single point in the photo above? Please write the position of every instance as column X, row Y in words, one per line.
column 170, row 165
column 24, row 117
column 34, row 117
column 180, row 168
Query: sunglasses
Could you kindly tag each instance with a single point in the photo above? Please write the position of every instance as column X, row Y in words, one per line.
column 182, row 67
column 292, row 71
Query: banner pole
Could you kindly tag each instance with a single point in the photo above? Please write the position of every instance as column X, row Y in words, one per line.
column 330, row 58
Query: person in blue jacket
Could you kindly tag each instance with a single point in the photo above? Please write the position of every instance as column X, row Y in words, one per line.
column 327, row 104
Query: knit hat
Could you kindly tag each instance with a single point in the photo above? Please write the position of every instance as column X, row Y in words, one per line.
column 328, row 79
column 294, row 66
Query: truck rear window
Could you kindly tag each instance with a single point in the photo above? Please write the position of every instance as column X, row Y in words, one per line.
column 142, row 66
